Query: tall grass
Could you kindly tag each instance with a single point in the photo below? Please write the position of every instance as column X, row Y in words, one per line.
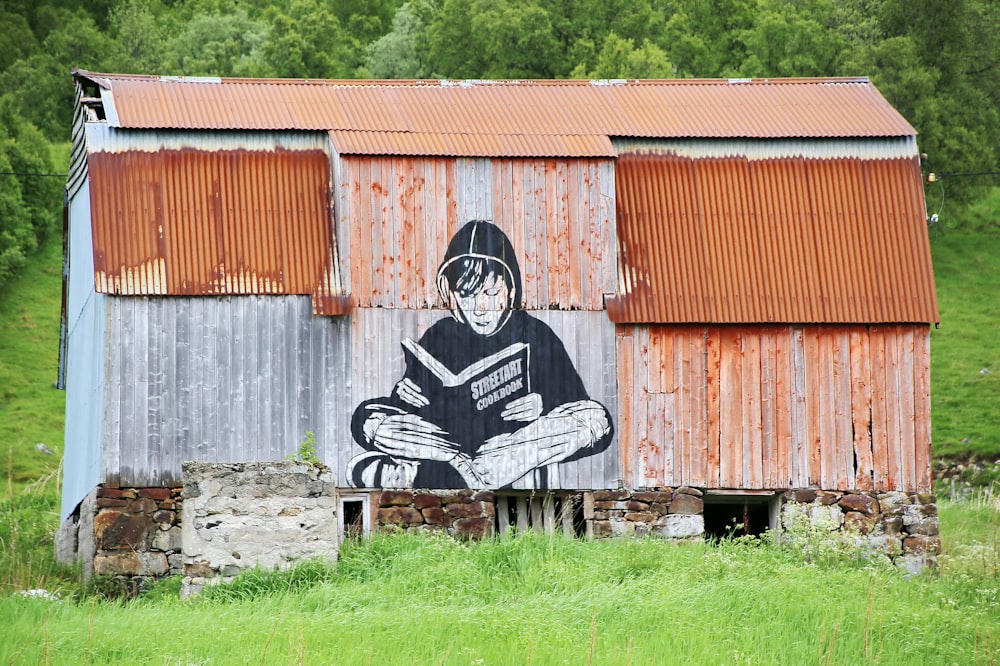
column 28, row 522
column 404, row 599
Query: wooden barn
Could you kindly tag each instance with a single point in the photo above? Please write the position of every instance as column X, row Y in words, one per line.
column 649, row 302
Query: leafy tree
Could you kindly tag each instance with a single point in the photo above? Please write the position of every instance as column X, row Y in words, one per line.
column 142, row 29
column 620, row 59
column 453, row 48
column 787, row 39
column 40, row 85
column 929, row 68
column 516, row 39
column 306, row 41
column 217, row 45
column 16, row 239
column 400, row 53
column 19, row 41
column 365, row 21
column 29, row 204
column 709, row 36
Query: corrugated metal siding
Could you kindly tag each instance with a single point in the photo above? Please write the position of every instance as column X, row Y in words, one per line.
column 772, row 407
column 470, row 145
column 211, row 222
column 730, row 240
column 400, row 213
column 85, row 317
column 866, row 148
column 78, row 150
column 430, row 109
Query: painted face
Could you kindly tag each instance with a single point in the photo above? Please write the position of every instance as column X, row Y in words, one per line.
column 484, row 309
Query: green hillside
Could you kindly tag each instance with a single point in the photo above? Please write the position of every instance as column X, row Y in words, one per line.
column 31, row 407
column 965, row 350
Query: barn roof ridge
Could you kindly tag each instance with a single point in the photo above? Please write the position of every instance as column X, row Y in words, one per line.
column 429, row 111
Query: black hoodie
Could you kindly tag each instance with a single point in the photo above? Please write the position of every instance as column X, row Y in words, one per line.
column 549, row 372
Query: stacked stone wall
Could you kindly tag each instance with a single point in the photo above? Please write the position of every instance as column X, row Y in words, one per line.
column 465, row 514
column 240, row 516
column 136, row 532
column 661, row 512
column 901, row 526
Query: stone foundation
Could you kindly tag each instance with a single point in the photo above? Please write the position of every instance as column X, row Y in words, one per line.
column 465, row 514
column 901, row 526
column 128, row 532
column 240, row 516
column 662, row 512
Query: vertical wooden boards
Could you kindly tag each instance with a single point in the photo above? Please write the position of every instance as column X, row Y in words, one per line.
column 628, row 408
column 906, row 384
column 861, row 404
column 836, row 407
column 219, row 379
column 713, row 397
column 399, row 213
column 753, row 448
column 879, row 418
column 770, row 407
column 731, row 450
column 922, row 409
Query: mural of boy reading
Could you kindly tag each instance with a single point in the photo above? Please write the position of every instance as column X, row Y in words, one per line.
column 489, row 395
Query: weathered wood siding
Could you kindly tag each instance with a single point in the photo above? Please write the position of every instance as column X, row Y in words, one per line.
column 395, row 216
column 588, row 337
column 229, row 379
column 769, row 407
column 245, row 378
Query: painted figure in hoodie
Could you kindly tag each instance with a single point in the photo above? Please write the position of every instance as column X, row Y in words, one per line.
column 489, row 395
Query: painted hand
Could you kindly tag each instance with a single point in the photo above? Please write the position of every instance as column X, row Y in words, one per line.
column 527, row 408
column 410, row 393
column 409, row 436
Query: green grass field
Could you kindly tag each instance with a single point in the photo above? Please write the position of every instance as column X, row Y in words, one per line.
column 965, row 350
column 404, row 599
column 31, row 408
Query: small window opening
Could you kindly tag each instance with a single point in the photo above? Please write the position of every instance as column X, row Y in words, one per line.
column 545, row 512
column 354, row 519
column 729, row 515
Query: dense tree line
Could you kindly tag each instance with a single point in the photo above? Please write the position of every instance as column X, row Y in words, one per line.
column 937, row 61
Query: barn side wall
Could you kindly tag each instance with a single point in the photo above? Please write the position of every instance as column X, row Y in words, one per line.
column 218, row 379
column 771, row 407
column 247, row 378
column 83, row 363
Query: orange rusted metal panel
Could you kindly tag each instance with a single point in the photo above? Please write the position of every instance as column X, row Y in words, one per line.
column 733, row 240
column 213, row 222
column 775, row 406
column 503, row 118
column 400, row 212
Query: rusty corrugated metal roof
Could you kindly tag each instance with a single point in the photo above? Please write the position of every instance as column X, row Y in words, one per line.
column 730, row 240
column 502, row 118
column 213, row 222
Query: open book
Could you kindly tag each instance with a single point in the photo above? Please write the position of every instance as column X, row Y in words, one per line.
column 475, row 396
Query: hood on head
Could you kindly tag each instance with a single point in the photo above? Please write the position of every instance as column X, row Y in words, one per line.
column 481, row 239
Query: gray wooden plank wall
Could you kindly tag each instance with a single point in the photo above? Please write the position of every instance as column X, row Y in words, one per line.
column 245, row 378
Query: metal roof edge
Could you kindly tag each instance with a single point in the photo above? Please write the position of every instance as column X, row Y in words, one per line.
column 105, row 79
